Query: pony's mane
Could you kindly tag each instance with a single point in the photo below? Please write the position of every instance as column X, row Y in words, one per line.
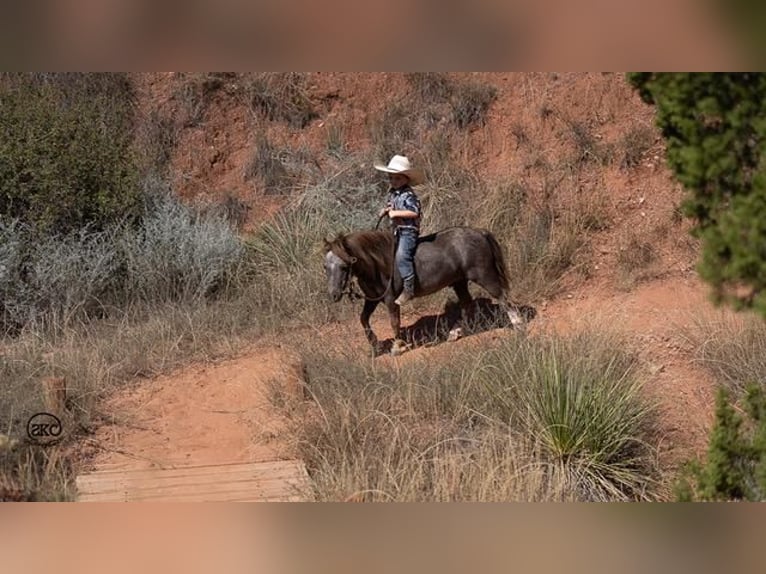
column 373, row 251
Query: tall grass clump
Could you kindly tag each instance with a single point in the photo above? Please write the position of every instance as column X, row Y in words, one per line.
column 542, row 242
column 195, row 92
column 635, row 144
column 32, row 474
column 465, row 102
column 587, row 417
column 281, row 96
column 548, row 419
column 635, row 259
column 732, row 348
column 284, row 256
column 470, row 104
column 396, row 129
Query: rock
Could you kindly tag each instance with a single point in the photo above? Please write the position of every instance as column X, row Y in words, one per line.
column 7, row 443
column 656, row 369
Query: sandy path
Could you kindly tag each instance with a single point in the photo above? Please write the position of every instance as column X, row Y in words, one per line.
column 204, row 414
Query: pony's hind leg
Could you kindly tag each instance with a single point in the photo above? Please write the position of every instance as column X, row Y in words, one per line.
column 465, row 300
column 495, row 289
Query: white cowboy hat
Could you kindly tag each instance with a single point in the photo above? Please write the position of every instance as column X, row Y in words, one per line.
column 400, row 164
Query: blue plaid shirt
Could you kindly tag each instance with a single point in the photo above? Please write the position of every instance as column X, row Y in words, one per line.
column 405, row 199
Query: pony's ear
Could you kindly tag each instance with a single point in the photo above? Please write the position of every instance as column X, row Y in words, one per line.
column 326, row 244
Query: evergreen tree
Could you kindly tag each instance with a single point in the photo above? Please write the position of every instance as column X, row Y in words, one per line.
column 715, row 129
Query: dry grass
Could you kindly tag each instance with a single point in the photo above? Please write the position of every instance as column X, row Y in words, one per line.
column 280, row 96
column 533, row 420
column 635, row 144
column 732, row 346
column 635, row 260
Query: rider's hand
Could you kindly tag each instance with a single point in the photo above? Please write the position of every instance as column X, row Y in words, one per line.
column 384, row 211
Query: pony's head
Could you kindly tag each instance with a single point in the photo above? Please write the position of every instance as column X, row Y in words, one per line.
column 337, row 268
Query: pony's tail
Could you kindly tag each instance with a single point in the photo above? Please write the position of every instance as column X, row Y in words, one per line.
column 499, row 260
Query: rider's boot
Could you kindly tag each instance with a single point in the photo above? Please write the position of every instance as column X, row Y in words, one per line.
column 408, row 292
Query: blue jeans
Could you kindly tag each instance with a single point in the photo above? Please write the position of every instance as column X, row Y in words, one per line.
column 405, row 252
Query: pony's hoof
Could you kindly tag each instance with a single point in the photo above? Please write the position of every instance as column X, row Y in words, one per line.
column 517, row 321
column 454, row 335
column 398, row 348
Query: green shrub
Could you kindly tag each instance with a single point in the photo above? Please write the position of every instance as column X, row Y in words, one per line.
column 735, row 467
column 65, row 150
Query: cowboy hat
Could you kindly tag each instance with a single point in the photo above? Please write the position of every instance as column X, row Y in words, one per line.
column 400, row 164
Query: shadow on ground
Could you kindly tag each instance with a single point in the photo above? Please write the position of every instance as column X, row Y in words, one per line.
column 430, row 330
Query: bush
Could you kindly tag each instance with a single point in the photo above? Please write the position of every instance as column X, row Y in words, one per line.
column 735, row 468
column 636, row 142
column 714, row 133
column 53, row 278
column 175, row 254
column 65, row 156
column 733, row 349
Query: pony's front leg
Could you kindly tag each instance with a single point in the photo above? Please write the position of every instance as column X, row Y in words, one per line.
column 369, row 307
column 394, row 316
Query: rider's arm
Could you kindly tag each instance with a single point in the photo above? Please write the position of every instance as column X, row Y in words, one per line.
column 402, row 213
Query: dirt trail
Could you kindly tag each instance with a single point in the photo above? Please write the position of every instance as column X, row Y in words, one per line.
column 204, row 414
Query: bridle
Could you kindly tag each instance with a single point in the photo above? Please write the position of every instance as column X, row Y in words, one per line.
column 350, row 292
column 348, row 283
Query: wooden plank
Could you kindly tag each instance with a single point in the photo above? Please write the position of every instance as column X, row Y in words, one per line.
column 269, row 481
column 279, row 490
column 276, row 485
column 224, row 495
column 202, row 473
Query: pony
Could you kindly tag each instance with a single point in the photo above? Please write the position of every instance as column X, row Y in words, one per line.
column 448, row 258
